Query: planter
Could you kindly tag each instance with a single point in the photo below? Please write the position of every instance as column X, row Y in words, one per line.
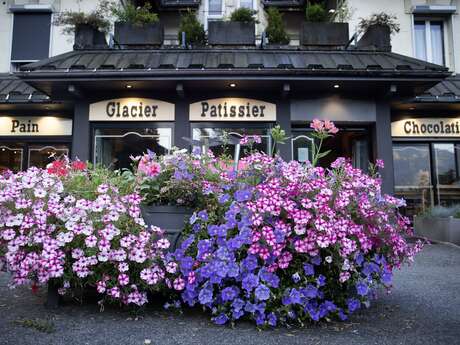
column 87, row 37
column 231, row 33
column 438, row 229
column 53, row 299
column 377, row 37
column 324, row 34
column 169, row 218
column 131, row 35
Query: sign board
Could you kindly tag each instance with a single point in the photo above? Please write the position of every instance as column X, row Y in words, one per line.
column 131, row 109
column 232, row 109
column 426, row 127
column 35, row 126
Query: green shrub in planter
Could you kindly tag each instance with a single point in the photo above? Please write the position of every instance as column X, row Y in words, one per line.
column 276, row 32
column 137, row 16
column 316, row 13
column 244, row 15
column 194, row 30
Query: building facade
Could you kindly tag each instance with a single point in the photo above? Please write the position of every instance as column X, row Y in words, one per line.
column 104, row 104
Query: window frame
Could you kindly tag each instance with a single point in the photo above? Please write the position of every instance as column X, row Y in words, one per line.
column 428, row 42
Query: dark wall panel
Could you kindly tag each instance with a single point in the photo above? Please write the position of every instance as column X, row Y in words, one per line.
column 31, row 36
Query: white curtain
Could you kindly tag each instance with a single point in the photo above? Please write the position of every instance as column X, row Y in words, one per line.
column 420, row 40
column 437, row 47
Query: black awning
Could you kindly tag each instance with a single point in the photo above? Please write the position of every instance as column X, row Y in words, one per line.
column 15, row 90
column 447, row 91
column 257, row 62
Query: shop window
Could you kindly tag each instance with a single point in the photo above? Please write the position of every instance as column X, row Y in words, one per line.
column 11, row 158
column 114, row 147
column 429, row 41
column 220, row 143
column 412, row 174
column 41, row 155
column 349, row 143
column 446, row 158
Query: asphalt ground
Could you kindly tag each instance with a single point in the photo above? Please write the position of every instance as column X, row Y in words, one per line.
column 423, row 308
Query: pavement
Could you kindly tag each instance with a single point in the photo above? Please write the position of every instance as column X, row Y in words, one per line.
column 423, row 308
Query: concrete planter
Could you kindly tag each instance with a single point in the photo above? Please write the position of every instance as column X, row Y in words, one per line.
column 231, row 33
column 438, row 229
column 88, row 37
column 377, row 37
column 324, row 34
column 130, row 35
column 169, row 218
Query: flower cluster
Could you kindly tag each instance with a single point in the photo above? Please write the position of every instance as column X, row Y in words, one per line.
column 297, row 244
column 49, row 232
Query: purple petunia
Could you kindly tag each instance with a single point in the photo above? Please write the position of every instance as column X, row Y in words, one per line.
column 309, row 269
column 229, row 293
column 353, row 304
column 205, row 296
column 262, row 292
column 250, row 282
column 243, row 195
column 362, row 289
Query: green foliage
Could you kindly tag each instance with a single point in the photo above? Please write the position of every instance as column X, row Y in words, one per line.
column 84, row 185
column 244, row 15
column 40, row 325
column 276, row 33
column 316, row 13
column 194, row 30
column 381, row 18
column 343, row 12
column 96, row 18
column 138, row 16
column 279, row 137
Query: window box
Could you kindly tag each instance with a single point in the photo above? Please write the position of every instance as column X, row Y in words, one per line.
column 87, row 37
column 171, row 219
column 377, row 37
column 438, row 229
column 132, row 35
column 324, row 34
column 231, row 33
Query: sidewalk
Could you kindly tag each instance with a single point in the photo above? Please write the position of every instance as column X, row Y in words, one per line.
column 423, row 308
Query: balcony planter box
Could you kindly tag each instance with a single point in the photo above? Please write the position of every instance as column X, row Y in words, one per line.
column 438, row 229
column 324, row 34
column 127, row 34
column 231, row 33
column 377, row 37
column 87, row 37
column 169, row 218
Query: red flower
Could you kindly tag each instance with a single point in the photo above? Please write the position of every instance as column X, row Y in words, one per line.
column 57, row 168
column 34, row 288
column 79, row 165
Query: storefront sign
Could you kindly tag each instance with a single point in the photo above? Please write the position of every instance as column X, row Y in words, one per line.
column 426, row 127
column 34, row 126
column 131, row 109
column 232, row 109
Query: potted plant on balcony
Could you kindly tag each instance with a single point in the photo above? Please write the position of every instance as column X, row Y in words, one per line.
column 319, row 30
column 377, row 30
column 275, row 31
column 239, row 30
column 137, row 26
column 191, row 31
column 89, row 28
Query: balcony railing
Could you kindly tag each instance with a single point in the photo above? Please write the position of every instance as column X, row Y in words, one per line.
column 179, row 4
column 284, row 4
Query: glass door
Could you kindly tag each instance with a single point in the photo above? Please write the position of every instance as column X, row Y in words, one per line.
column 114, row 147
column 446, row 160
column 412, row 174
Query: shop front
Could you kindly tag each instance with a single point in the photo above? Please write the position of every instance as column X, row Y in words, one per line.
column 426, row 154
column 27, row 141
column 123, row 128
column 212, row 97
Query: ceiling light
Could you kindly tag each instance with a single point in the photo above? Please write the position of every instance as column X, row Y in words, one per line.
column 232, row 85
column 412, row 108
column 336, row 86
column 129, row 86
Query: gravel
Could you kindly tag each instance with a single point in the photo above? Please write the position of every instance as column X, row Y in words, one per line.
column 423, row 308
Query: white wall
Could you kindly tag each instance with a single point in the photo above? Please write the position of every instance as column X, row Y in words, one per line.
column 402, row 42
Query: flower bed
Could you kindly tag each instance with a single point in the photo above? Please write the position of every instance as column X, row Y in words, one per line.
column 276, row 242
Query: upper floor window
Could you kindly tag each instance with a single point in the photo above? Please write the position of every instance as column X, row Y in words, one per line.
column 247, row 4
column 429, row 41
column 215, row 7
column 31, row 37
